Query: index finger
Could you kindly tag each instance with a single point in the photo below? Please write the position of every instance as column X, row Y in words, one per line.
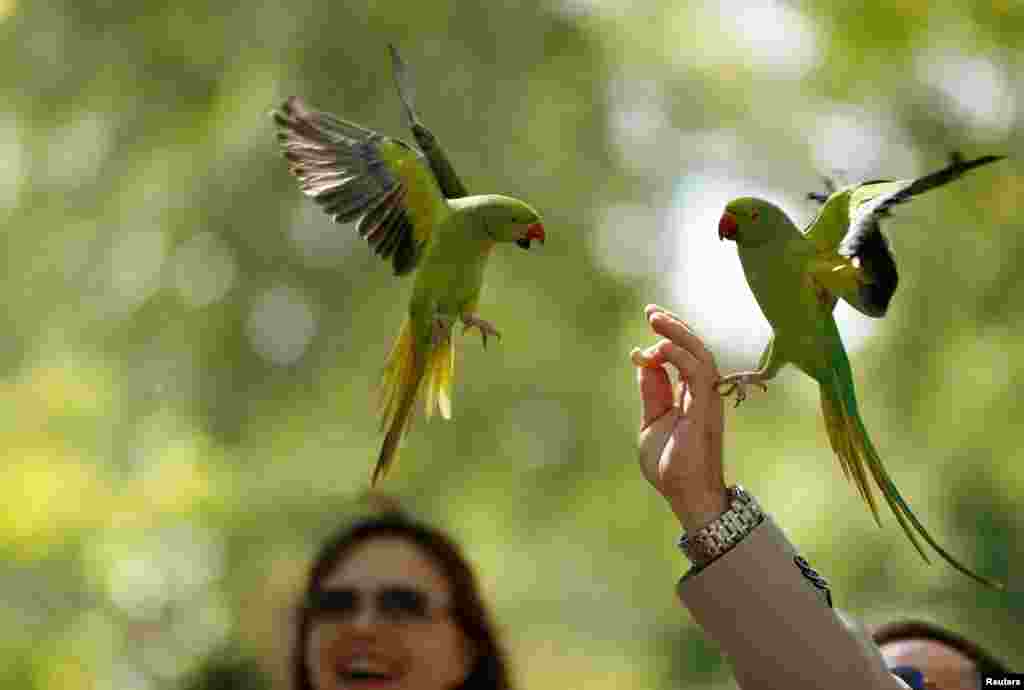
column 672, row 327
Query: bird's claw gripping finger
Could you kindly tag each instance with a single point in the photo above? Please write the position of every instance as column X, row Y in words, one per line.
column 441, row 330
column 486, row 328
column 737, row 383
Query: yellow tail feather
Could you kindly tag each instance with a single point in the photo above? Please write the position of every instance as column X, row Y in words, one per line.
column 404, row 372
column 840, row 436
column 849, row 440
column 440, row 368
column 398, row 369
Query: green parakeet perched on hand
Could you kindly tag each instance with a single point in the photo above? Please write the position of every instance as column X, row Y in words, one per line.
column 797, row 278
column 355, row 173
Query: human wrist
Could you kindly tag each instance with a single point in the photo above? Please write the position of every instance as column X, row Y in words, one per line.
column 704, row 545
column 695, row 510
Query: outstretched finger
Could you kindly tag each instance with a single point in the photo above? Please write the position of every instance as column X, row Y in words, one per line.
column 651, row 308
column 699, row 377
column 678, row 332
column 656, row 393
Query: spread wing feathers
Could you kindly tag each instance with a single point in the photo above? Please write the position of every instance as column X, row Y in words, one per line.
column 451, row 185
column 855, row 261
column 871, row 201
column 355, row 173
column 865, row 278
column 864, row 275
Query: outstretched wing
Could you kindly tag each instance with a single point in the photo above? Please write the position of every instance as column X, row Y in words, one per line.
column 354, row 173
column 855, row 261
column 451, row 185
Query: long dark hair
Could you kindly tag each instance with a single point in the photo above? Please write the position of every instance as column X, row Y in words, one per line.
column 984, row 662
column 491, row 668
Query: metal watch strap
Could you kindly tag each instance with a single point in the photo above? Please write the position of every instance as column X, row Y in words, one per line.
column 714, row 539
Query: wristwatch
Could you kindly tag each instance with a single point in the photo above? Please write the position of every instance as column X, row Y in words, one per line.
column 714, row 539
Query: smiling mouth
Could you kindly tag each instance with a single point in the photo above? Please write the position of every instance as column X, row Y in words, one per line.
column 363, row 672
column 366, row 679
column 369, row 679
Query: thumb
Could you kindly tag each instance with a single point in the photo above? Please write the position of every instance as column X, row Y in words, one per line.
column 656, row 393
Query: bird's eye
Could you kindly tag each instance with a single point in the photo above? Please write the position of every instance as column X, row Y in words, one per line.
column 754, row 215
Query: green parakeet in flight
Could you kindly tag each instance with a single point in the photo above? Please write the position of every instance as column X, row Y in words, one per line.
column 797, row 278
column 398, row 198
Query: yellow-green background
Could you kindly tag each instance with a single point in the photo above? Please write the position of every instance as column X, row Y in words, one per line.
column 188, row 347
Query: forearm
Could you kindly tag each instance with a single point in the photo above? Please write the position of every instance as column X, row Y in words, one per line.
column 773, row 619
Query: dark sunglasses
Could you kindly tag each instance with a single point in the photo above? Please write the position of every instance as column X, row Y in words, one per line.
column 909, row 675
column 393, row 604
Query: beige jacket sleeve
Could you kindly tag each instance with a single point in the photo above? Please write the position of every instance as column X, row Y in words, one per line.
column 775, row 626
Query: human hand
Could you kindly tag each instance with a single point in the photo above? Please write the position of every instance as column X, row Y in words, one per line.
column 680, row 442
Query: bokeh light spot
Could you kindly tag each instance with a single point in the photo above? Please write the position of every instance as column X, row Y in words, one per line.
column 11, row 160
column 281, row 325
column 979, row 88
column 203, row 270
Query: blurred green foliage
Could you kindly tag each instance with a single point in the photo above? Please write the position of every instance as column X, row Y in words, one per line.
column 189, row 348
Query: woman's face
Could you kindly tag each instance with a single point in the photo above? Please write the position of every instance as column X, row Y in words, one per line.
column 386, row 622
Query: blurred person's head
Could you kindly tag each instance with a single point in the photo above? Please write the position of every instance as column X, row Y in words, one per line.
column 939, row 658
column 392, row 603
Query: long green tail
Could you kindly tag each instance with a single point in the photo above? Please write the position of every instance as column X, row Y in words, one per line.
column 852, row 445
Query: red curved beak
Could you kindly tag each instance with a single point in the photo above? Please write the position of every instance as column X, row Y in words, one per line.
column 535, row 232
column 727, row 227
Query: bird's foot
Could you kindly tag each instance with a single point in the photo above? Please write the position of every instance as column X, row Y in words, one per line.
column 442, row 329
column 486, row 327
column 737, row 383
